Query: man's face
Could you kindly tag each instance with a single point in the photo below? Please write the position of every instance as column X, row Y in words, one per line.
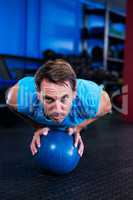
column 57, row 99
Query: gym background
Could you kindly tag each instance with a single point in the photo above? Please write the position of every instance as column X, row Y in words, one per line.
column 95, row 36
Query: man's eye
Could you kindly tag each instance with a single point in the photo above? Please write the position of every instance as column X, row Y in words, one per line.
column 64, row 99
column 49, row 100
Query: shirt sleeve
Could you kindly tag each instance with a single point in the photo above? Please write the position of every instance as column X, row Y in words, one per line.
column 90, row 98
column 26, row 94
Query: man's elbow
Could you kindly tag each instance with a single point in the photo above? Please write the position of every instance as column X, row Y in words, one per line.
column 108, row 108
column 10, row 97
column 105, row 105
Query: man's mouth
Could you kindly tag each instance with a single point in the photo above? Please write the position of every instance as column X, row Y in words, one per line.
column 57, row 117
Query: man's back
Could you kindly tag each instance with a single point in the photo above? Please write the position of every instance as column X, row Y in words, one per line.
column 84, row 106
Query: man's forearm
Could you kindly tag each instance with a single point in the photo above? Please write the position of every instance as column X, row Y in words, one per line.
column 27, row 119
column 105, row 107
column 85, row 123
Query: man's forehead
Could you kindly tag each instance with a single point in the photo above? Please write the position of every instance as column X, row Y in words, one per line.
column 52, row 89
column 54, row 92
column 47, row 85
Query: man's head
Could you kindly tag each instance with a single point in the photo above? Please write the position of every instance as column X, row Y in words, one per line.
column 56, row 85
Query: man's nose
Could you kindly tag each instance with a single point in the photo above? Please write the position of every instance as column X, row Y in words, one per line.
column 58, row 106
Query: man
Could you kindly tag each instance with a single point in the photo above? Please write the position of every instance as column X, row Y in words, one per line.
column 55, row 98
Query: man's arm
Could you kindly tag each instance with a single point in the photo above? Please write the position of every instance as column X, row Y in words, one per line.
column 104, row 108
column 11, row 101
column 34, row 124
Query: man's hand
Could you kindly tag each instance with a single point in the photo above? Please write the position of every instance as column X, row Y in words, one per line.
column 78, row 140
column 35, row 143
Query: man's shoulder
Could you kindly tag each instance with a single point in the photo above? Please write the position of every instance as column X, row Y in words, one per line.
column 27, row 95
column 85, row 85
column 27, row 79
column 88, row 97
column 27, row 82
column 84, row 81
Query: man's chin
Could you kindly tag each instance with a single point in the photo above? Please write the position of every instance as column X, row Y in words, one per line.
column 58, row 119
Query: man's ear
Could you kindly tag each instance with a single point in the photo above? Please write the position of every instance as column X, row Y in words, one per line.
column 75, row 92
column 39, row 95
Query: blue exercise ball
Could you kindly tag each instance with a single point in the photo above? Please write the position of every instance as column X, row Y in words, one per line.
column 57, row 153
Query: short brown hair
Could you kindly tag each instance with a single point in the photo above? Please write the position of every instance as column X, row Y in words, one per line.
column 57, row 71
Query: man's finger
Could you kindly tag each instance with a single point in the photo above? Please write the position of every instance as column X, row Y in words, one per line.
column 70, row 131
column 33, row 148
column 38, row 141
column 45, row 131
column 81, row 149
column 81, row 146
column 77, row 136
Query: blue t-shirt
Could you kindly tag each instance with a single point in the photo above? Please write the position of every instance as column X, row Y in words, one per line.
column 84, row 106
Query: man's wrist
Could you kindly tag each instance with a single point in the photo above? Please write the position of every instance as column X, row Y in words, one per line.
column 80, row 128
column 84, row 124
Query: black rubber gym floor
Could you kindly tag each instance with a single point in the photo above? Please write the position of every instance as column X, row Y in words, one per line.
column 105, row 171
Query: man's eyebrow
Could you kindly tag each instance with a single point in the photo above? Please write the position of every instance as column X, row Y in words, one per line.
column 65, row 95
column 49, row 97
